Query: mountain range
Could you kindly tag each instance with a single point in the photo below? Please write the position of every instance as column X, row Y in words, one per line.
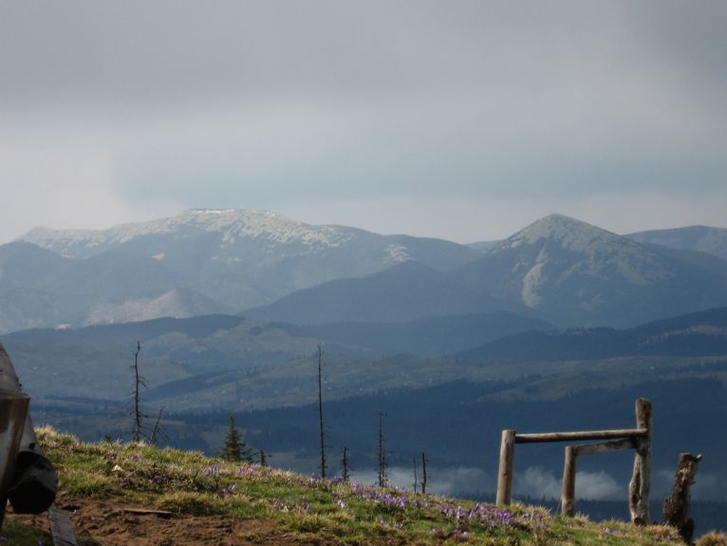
column 557, row 270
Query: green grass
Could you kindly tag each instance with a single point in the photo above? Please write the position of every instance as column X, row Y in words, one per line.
column 309, row 508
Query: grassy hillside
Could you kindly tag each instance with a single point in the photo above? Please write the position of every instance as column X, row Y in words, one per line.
column 140, row 495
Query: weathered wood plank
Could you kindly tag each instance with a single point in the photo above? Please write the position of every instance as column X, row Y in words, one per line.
column 61, row 528
column 543, row 437
column 640, row 484
column 604, row 447
column 141, row 512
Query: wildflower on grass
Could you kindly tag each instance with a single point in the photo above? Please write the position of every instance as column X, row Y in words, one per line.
column 213, row 470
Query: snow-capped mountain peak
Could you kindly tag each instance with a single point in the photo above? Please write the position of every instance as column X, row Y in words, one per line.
column 570, row 233
column 556, row 249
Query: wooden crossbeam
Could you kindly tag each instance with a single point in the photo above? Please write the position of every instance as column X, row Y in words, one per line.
column 543, row 437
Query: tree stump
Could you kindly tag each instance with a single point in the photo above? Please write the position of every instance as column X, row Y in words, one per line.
column 676, row 506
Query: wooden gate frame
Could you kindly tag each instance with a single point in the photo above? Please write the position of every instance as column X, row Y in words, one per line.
column 638, row 438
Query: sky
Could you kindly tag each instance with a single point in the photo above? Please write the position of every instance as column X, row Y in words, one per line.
column 464, row 120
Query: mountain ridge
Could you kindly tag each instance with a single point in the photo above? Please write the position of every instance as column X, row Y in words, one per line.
column 558, row 269
column 228, row 259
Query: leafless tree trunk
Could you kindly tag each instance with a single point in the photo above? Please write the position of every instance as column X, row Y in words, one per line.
column 346, row 472
column 424, row 473
column 157, row 430
column 320, row 411
column 677, row 505
column 383, row 478
column 138, row 383
column 416, row 478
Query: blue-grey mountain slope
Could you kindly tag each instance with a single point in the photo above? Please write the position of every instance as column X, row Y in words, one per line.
column 402, row 293
column 695, row 334
column 431, row 336
column 40, row 288
column 706, row 239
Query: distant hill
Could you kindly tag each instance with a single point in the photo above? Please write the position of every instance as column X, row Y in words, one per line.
column 403, row 293
column 203, row 360
column 698, row 238
column 696, row 334
column 39, row 288
column 429, row 336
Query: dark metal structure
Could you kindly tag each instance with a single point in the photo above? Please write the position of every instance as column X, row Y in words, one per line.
column 32, row 481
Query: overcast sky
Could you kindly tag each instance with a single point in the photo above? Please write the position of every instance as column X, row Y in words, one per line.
column 464, row 120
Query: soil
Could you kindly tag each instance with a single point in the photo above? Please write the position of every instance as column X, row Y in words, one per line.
column 111, row 524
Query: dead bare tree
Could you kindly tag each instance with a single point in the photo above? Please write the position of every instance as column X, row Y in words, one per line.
column 416, row 480
column 424, row 472
column 345, row 466
column 320, row 411
column 157, row 430
column 138, row 383
column 383, row 478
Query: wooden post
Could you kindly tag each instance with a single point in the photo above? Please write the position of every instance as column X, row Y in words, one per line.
column 568, row 499
column 677, row 505
column 504, row 473
column 13, row 411
column 640, row 483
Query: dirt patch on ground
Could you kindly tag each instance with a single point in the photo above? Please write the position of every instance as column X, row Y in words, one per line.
column 111, row 524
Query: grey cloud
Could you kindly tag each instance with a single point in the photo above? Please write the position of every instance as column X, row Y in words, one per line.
column 264, row 104
column 537, row 482
column 449, row 481
column 325, row 50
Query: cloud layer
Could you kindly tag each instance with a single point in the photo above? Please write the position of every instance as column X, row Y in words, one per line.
column 463, row 120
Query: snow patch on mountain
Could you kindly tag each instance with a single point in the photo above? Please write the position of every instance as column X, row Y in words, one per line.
column 533, row 280
column 398, row 253
column 231, row 224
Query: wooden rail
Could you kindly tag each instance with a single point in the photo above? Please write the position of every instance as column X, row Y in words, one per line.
column 586, row 435
column 638, row 438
